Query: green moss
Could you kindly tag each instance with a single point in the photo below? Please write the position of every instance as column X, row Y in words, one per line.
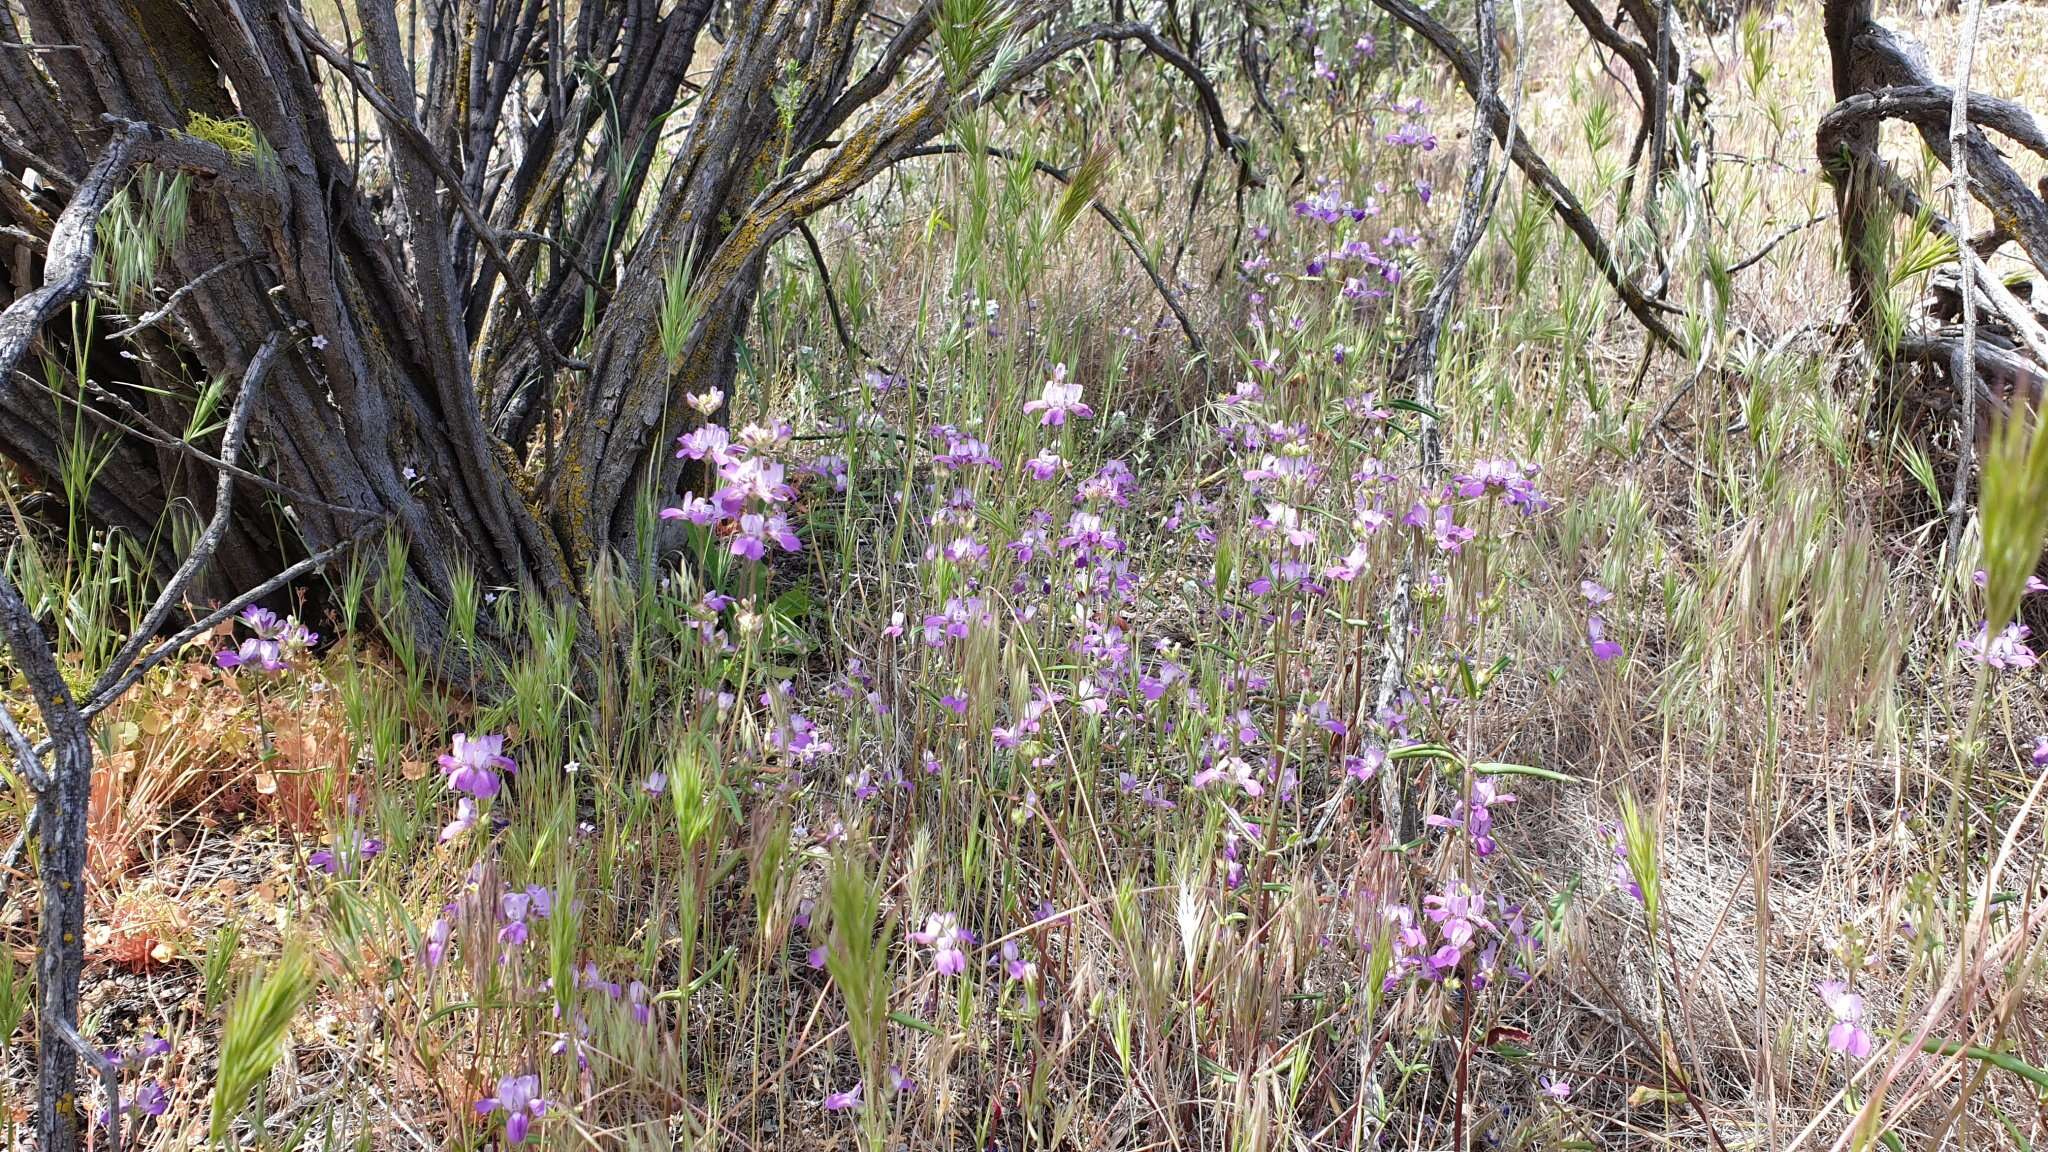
column 235, row 135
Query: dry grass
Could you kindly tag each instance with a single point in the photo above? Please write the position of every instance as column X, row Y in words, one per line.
column 1791, row 710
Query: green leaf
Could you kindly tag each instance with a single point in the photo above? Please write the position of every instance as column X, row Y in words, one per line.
column 2005, row 1060
column 1496, row 768
column 909, row 1021
column 1422, row 752
column 1416, row 407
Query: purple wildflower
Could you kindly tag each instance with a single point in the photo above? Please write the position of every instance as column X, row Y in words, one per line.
column 2007, row 652
column 1604, row 649
column 519, row 1098
column 1059, row 400
column 1848, row 1036
column 947, row 940
column 473, row 764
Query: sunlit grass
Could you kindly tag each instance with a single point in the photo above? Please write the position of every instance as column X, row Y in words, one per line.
column 1033, row 797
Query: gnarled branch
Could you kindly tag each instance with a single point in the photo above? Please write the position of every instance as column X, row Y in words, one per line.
column 68, row 263
column 1563, row 202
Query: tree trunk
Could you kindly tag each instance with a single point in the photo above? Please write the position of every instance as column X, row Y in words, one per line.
column 376, row 421
column 1856, row 205
column 444, row 309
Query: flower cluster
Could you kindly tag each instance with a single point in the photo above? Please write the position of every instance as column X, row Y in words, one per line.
column 749, row 505
column 2006, row 652
column 149, row 1097
column 1160, row 635
column 1474, row 814
column 276, row 643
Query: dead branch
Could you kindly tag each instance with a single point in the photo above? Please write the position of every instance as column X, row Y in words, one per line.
column 1417, row 365
column 163, row 311
column 1930, row 105
column 1770, row 245
column 1147, row 36
column 1249, row 59
column 846, row 340
column 408, row 128
column 1966, row 353
column 216, row 527
column 1566, row 206
column 69, row 261
column 1895, row 83
column 25, row 757
column 105, row 698
column 62, row 808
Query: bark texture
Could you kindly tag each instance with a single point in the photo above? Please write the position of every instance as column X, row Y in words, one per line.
column 482, row 256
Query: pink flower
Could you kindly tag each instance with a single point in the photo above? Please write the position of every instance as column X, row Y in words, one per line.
column 1059, row 400
column 474, row 762
column 1045, row 465
column 1848, row 1036
column 696, row 509
column 1366, row 764
column 1014, row 964
column 1286, row 521
column 465, row 819
column 1475, row 816
column 754, row 478
column 1231, row 769
column 1459, row 913
column 1983, row 580
column 948, row 942
column 2007, row 652
column 841, row 1101
column 1442, row 525
column 285, row 630
column 150, row 1099
column 436, row 949
column 516, row 906
column 1352, row 566
column 711, row 440
column 757, row 532
column 1604, row 649
column 1090, row 700
column 1594, row 593
column 267, row 655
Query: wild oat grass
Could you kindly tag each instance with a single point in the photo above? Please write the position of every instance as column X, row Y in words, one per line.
column 1001, row 763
